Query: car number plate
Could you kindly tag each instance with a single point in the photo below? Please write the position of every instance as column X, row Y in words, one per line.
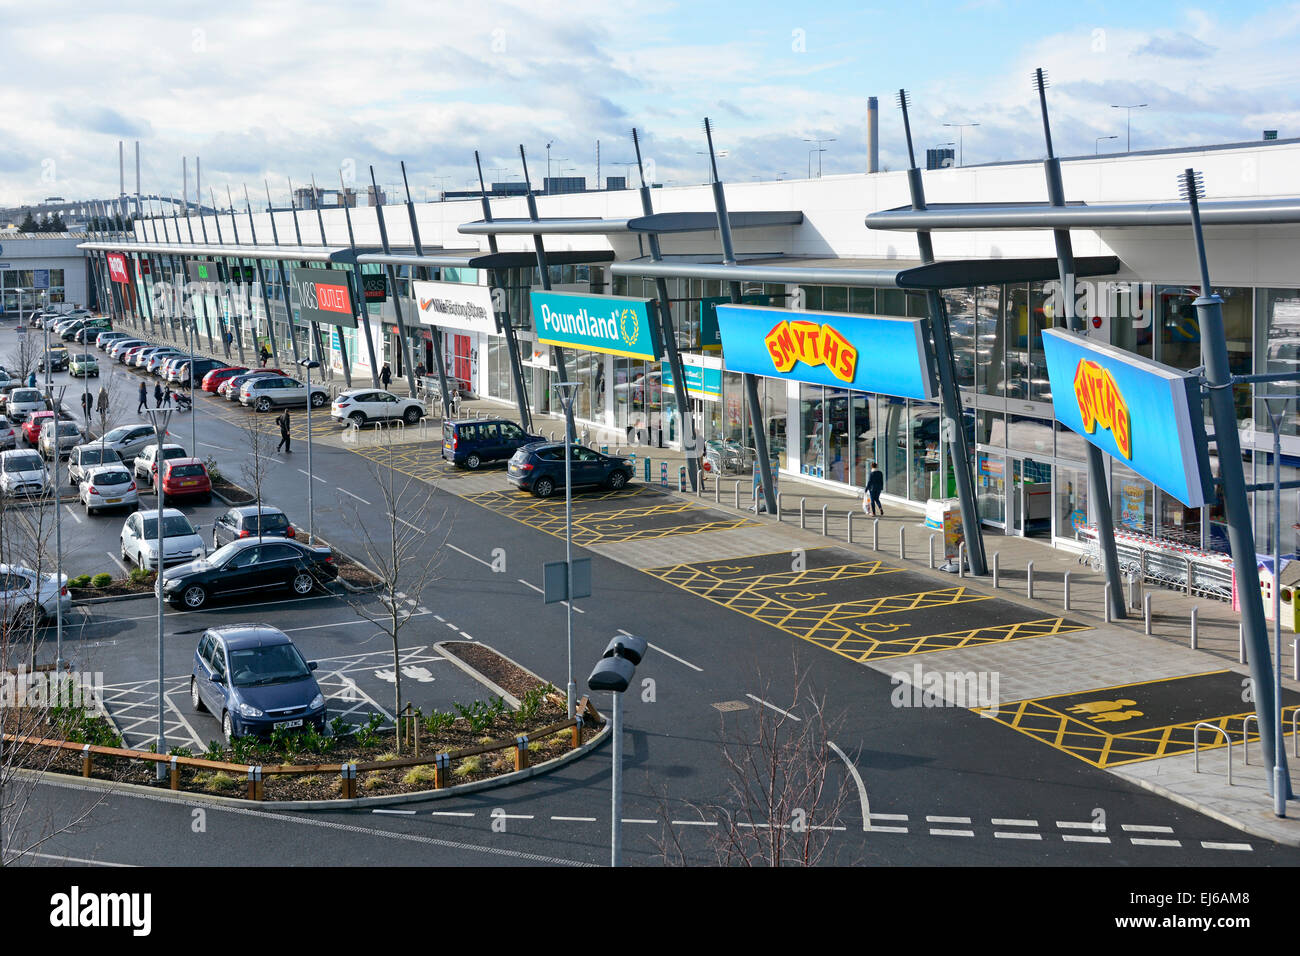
column 112, row 501
column 187, row 484
column 286, row 724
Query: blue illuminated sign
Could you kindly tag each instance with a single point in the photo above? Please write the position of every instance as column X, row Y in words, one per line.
column 1142, row 413
column 864, row 352
column 597, row 323
column 701, row 382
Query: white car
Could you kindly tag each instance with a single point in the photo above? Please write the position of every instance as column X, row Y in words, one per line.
column 146, row 463
column 84, row 458
column 8, row 434
column 22, row 402
column 104, row 339
column 108, row 486
column 268, row 391
column 22, row 472
column 21, row 596
column 154, row 362
column 181, row 541
column 361, row 405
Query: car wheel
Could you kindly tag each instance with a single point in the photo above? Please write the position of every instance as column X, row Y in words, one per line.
column 317, row 400
column 227, row 727
column 90, row 512
column 472, row 462
column 195, row 699
column 412, row 415
column 263, row 405
column 303, row 583
column 617, row 480
column 543, row 487
column 194, row 597
column 358, row 419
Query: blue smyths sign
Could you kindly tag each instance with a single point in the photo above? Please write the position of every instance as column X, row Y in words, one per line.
column 1143, row 413
column 596, row 323
column 864, row 352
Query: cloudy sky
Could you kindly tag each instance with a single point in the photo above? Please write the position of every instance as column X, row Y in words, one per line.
column 287, row 90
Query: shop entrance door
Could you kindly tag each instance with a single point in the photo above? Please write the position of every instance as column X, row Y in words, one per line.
column 1029, row 498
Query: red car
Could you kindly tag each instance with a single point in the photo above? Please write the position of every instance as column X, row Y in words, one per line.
column 32, row 427
column 125, row 357
column 183, row 477
column 212, row 381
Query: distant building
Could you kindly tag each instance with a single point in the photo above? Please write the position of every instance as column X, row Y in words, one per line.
column 615, row 182
column 940, row 158
column 314, row 197
column 560, row 185
column 374, row 196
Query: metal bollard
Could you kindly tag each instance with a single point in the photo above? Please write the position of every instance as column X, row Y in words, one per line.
column 1106, row 608
column 681, row 480
column 875, row 534
column 932, row 537
column 1146, row 612
column 778, row 506
column 848, row 523
column 995, row 570
column 1065, row 601
column 717, row 490
column 1295, row 667
column 1029, row 580
column 1195, row 637
column 737, row 490
column 803, row 520
column 961, row 559
column 824, row 507
column 902, row 542
column 1241, row 643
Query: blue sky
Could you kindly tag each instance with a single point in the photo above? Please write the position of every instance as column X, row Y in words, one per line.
column 285, row 89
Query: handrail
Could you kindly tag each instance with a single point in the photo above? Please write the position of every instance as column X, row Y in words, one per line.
column 1245, row 740
column 1196, row 746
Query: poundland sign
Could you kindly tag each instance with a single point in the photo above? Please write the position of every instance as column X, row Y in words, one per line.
column 323, row 296
column 596, row 323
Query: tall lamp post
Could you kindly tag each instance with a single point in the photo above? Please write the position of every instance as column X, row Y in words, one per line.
column 819, row 150
column 310, row 364
column 567, row 391
column 159, row 418
column 961, row 140
column 57, row 405
column 1097, row 145
column 1128, row 123
column 614, row 673
column 1276, row 405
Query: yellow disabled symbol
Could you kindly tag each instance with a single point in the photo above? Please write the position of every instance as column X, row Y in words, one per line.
column 1107, row 711
column 729, row 568
column 801, row 595
column 870, row 628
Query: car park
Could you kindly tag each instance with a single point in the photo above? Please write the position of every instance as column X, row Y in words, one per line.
column 8, row 435
column 129, row 440
column 83, row 365
column 250, row 521
column 58, row 439
column 22, row 472
column 277, row 391
column 23, row 402
column 254, row 680
column 83, row 458
column 26, row 595
column 539, row 468
column 108, row 486
column 361, row 405
column 146, row 463
column 468, row 443
column 139, row 539
column 213, row 380
column 231, row 387
column 250, row 567
column 185, row 478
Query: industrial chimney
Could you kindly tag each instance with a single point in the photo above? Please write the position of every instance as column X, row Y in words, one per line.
column 873, row 135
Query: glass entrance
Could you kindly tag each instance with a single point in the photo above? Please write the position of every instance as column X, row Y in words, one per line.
column 1030, row 498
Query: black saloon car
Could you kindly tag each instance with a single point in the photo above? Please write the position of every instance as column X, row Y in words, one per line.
column 539, row 468
column 249, row 568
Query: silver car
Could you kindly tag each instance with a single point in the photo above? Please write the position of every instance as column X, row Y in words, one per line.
column 22, row 472
column 69, row 437
column 22, row 402
column 139, row 539
column 84, row 458
column 8, row 435
column 129, row 440
column 108, row 486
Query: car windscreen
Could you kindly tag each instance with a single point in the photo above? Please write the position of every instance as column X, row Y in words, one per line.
column 68, row 428
column 117, row 434
column 254, row 666
column 186, row 471
column 22, row 396
column 270, row 522
column 176, row 526
column 24, row 463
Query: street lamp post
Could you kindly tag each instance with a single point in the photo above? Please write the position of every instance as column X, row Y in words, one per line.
column 961, row 140
column 309, row 364
column 567, row 391
column 1128, row 123
column 614, row 673
column 819, row 150
column 57, row 405
column 1276, row 405
column 160, row 418
column 1097, row 145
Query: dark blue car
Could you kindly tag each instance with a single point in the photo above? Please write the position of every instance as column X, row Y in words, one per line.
column 539, row 468
column 253, row 679
column 471, row 442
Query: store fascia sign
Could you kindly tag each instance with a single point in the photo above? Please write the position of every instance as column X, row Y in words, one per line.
column 117, row 270
column 324, row 296
column 702, row 381
column 614, row 324
column 710, row 337
column 1142, row 413
column 455, row 305
column 374, row 286
column 869, row 353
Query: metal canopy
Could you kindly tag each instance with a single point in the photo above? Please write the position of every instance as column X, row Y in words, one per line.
column 656, row 222
column 490, row 260
column 951, row 274
column 1248, row 212
column 295, row 253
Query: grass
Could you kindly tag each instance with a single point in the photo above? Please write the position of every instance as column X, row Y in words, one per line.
column 468, row 766
column 419, row 775
column 374, row 781
column 221, row 781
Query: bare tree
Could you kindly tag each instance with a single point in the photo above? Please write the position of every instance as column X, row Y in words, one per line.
column 404, row 545
column 783, row 796
column 104, row 399
column 257, row 444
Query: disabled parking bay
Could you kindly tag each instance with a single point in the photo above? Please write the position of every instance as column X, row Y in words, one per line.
column 634, row 513
column 1128, row 723
column 864, row 610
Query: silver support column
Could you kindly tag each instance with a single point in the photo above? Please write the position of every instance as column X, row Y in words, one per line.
column 363, row 311
column 403, row 339
column 434, row 332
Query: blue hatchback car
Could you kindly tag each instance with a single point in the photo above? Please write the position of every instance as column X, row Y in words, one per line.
column 254, row 680
column 469, row 443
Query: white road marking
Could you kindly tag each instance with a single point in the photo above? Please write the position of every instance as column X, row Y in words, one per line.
column 73, row 859
column 317, row 627
column 1211, row 845
column 630, row 820
column 958, row 833
column 784, row 713
column 441, row 618
column 1016, row 835
column 1150, row 841
column 575, row 819
column 694, row 823
column 528, row 585
column 351, row 495
column 876, row 829
column 512, row 816
column 466, row 636
column 118, row 561
column 74, row 515
column 998, row 822
column 1074, row 838
column 1135, row 828
column 656, row 647
column 947, row 820
column 316, row 477
column 857, row 779
column 472, row 557
column 209, row 444
column 449, row 813
column 396, row 812
column 415, row 528
column 889, row 816
column 451, row 625
column 1074, row 825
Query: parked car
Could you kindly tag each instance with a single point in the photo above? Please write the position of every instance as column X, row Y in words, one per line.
column 361, row 405
column 250, row 568
column 22, row 472
column 141, row 356
column 146, row 463
column 127, row 355
column 8, row 434
column 55, row 359
column 69, row 436
column 33, row 425
column 108, row 486
column 230, row 387
column 278, row 391
column 184, row 478
column 87, row 334
column 242, row 522
column 153, row 363
column 181, row 373
column 118, row 346
column 469, row 443
column 139, row 539
column 129, row 440
column 23, row 402
column 104, row 339
column 25, row 595
column 93, row 455
column 83, row 365
column 213, row 379
column 254, row 680
column 539, row 468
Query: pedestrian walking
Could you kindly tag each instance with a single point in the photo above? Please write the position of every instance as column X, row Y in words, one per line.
column 157, row 395
column 101, row 403
column 87, row 403
column 166, row 398
column 875, row 485
column 144, row 399
column 283, row 422
column 31, row 379
column 265, row 354
column 385, row 375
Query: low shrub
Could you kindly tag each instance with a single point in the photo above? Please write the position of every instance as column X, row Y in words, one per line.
column 417, row 776
column 80, row 581
column 101, row 580
column 468, row 766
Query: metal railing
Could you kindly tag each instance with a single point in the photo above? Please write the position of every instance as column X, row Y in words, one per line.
column 1196, row 746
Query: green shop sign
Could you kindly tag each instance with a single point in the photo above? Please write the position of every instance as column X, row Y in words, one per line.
column 596, row 323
